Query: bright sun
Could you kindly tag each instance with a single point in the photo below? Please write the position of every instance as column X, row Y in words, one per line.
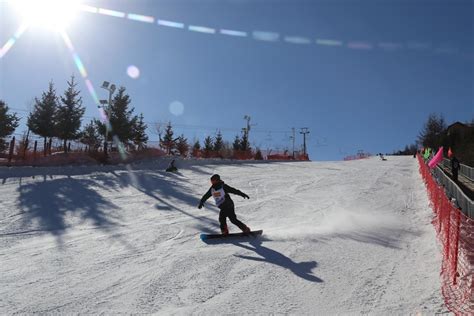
column 53, row 14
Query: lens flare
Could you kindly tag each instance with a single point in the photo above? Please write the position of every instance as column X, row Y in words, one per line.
column 11, row 41
column 80, row 66
column 202, row 29
column 266, row 36
column 296, row 40
column 173, row 24
column 359, row 45
column 88, row 8
column 141, row 18
column 53, row 14
column 116, row 14
column 133, row 72
column 271, row 36
column 328, row 42
column 176, row 108
column 91, row 90
column 120, row 147
column 233, row 33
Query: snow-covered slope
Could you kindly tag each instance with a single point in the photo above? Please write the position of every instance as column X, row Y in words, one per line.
column 339, row 238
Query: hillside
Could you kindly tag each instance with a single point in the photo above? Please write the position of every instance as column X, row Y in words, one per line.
column 339, row 238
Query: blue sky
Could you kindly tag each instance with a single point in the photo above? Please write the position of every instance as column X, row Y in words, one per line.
column 392, row 64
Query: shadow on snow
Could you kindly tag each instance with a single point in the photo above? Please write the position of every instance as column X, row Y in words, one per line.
column 266, row 254
column 164, row 187
column 55, row 205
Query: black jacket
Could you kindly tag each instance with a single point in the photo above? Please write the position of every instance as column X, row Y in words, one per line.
column 455, row 164
column 227, row 189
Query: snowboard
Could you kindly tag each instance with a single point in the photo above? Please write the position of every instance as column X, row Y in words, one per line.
column 254, row 234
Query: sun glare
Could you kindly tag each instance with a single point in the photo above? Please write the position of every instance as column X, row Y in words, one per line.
column 53, row 14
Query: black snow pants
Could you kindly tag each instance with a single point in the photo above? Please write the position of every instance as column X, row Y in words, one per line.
column 455, row 175
column 228, row 210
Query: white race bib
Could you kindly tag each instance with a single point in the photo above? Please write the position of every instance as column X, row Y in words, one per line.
column 218, row 195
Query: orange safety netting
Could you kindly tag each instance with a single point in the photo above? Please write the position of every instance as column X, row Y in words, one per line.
column 455, row 231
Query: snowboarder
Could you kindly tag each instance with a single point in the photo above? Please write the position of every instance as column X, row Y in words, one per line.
column 220, row 192
column 171, row 167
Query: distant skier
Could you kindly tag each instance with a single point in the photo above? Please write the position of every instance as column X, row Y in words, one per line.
column 172, row 167
column 220, row 192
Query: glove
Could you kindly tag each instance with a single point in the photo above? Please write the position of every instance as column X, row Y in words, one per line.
column 245, row 196
column 200, row 205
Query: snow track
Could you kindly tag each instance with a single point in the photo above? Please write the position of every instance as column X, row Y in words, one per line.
column 339, row 238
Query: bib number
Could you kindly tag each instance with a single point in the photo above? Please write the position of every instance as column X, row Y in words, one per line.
column 219, row 196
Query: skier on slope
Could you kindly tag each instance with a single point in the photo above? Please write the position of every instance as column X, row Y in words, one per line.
column 171, row 167
column 220, row 192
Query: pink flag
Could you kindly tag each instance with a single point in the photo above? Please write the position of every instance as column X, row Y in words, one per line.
column 437, row 158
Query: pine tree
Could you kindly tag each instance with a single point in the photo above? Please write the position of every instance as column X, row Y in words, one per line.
column 244, row 144
column 208, row 147
column 121, row 116
column 121, row 119
column 196, row 149
column 432, row 133
column 237, row 147
column 140, row 137
column 42, row 120
column 8, row 124
column 182, row 146
column 237, row 144
column 90, row 136
column 168, row 142
column 69, row 114
column 218, row 144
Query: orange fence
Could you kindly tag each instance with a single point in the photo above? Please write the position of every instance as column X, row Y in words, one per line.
column 356, row 157
column 455, row 231
column 302, row 157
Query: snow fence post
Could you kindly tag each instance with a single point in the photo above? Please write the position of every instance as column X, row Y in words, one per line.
column 456, row 243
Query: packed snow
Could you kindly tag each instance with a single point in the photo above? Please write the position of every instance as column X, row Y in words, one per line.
column 338, row 238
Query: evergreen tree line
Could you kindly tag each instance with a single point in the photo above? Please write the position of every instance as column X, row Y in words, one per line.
column 212, row 147
column 60, row 117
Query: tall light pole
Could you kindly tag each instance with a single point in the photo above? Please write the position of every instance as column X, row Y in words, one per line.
column 292, row 137
column 304, row 131
column 246, row 130
column 249, row 126
column 105, row 104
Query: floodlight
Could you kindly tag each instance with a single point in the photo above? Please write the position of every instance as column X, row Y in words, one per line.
column 104, row 102
column 112, row 88
column 105, row 85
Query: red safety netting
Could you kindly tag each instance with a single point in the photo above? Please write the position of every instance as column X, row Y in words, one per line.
column 455, row 231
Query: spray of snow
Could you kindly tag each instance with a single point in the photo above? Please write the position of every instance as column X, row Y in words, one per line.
column 340, row 222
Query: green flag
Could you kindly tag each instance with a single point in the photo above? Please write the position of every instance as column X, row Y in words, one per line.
column 427, row 153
